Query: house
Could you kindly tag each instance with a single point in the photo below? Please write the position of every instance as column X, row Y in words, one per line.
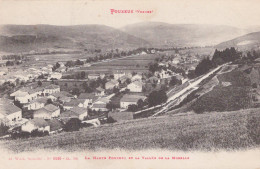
column 100, row 104
column 48, row 90
column 81, row 112
column 121, row 116
column 111, row 84
column 25, row 95
column 100, row 91
column 61, row 69
column 99, row 107
column 75, row 103
column 67, row 115
column 135, row 86
column 127, row 100
column 153, row 80
column 47, row 112
column 36, row 104
column 119, row 74
column 54, row 75
column 8, row 111
column 136, row 77
column 36, row 124
column 55, row 126
column 63, row 96
column 123, row 79
column 88, row 97
column 93, row 76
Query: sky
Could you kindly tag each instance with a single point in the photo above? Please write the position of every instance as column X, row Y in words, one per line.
column 238, row 13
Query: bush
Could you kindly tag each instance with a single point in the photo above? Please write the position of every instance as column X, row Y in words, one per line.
column 157, row 97
column 3, row 129
column 72, row 125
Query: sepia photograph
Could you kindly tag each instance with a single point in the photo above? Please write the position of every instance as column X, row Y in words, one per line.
column 129, row 84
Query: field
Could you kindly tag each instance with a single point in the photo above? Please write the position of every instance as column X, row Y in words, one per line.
column 137, row 63
column 226, row 98
column 212, row 131
column 53, row 58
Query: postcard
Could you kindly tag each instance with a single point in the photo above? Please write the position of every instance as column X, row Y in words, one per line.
column 90, row 84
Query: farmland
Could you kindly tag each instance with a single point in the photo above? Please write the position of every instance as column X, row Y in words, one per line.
column 211, row 131
column 53, row 58
column 137, row 63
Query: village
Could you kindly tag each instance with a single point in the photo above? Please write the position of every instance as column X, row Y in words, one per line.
column 44, row 102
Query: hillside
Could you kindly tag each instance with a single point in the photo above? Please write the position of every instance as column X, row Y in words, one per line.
column 163, row 34
column 248, row 41
column 210, row 131
column 23, row 38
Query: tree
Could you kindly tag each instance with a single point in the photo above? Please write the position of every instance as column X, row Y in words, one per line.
column 157, row 97
column 140, row 103
column 3, row 129
column 39, row 83
column 49, row 101
column 72, row 125
column 132, row 108
column 82, row 75
column 115, row 90
column 75, row 91
column 203, row 67
column 110, row 106
column 154, row 67
column 174, row 81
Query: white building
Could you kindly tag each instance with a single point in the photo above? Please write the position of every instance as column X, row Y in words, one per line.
column 55, row 75
column 127, row 100
column 36, row 124
column 135, row 86
column 111, row 84
column 136, row 77
column 119, row 74
column 48, row 90
column 26, row 95
column 47, row 112
column 9, row 113
column 80, row 111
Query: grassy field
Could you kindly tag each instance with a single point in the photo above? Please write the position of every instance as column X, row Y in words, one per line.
column 236, row 96
column 211, row 131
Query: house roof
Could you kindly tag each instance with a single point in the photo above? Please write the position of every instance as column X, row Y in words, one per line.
column 131, row 98
column 112, row 82
column 6, row 107
column 137, row 76
column 79, row 110
column 46, row 109
column 40, row 100
column 39, row 122
column 100, row 89
column 55, row 124
column 74, row 102
column 52, row 86
column 51, row 108
column 69, row 114
column 137, row 83
column 99, row 106
column 87, row 96
column 103, row 99
column 62, row 94
column 93, row 74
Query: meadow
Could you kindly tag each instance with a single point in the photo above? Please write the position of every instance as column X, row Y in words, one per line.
column 206, row 132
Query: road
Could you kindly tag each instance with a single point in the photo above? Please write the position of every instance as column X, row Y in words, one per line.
column 179, row 96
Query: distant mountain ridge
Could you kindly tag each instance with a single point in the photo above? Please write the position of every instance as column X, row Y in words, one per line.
column 163, row 34
column 21, row 38
column 245, row 42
